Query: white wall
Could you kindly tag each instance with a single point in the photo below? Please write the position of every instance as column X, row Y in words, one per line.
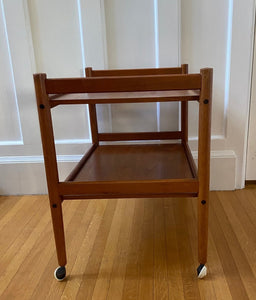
column 251, row 151
column 137, row 37
column 219, row 34
column 62, row 37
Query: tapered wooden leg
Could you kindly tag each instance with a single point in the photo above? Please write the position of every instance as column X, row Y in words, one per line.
column 58, row 228
column 203, row 208
column 51, row 168
column 204, row 167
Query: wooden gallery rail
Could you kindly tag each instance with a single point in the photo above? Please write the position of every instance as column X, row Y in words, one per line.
column 141, row 170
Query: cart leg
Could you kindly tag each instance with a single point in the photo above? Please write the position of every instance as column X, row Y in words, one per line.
column 203, row 207
column 51, row 169
column 58, row 228
column 205, row 104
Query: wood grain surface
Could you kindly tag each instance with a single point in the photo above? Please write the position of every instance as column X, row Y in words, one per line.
column 129, row 248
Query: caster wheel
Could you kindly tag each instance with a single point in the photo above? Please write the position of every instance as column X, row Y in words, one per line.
column 201, row 271
column 60, row 273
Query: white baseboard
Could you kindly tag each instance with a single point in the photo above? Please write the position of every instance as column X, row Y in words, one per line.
column 223, row 169
column 26, row 175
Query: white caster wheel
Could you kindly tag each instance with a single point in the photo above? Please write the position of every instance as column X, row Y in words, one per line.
column 60, row 273
column 201, row 271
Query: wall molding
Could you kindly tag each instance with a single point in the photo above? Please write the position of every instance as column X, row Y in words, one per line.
column 223, row 175
column 223, row 169
column 11, row 143
column 36, row 159
column 218, row 154
column 73, row 141
column 14, row 86
column 227, row 154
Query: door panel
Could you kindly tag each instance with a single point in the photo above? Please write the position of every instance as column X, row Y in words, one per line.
column 142, row 34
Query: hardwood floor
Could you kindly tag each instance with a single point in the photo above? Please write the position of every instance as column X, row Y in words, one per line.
column 129, row 248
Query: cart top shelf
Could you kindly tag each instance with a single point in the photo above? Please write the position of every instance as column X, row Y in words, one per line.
column 125, row 97
column 122, row 89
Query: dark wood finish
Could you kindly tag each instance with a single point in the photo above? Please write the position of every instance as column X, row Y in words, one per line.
column 136, row 162
column 81, row 163
column 204, row 162
column 184, row 111
column 190, row 159
column 93, row 123
column 123, row 84
column 138, row 136
column 51, row 168
column 105, row 189
column 92, row 114
column 133, row 72
column 125, row 97
column 130, row 195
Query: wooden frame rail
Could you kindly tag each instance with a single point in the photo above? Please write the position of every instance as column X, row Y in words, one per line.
column 139, row 136
column 138, row 187
column 183, row 134
column 90, row 72
column 123, row 84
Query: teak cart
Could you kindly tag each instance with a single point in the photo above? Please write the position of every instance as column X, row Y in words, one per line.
column 137, row 170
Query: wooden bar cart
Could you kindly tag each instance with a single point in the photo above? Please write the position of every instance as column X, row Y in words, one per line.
column 129, row 170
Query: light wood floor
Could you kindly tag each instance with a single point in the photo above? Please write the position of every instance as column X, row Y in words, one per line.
column 129, row 249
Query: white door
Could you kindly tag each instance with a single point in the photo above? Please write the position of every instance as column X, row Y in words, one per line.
column 251, row 150
column 62, row 37
column 142, row 34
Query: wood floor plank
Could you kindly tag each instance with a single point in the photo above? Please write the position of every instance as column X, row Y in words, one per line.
column 216, row 273
column 247, row 201
column 103, row 280
column 223, row 247
column 83, row 254
column 129, row 249
column 251, row 197
column 73, row 231
column 241, row 261
column 91, row 272
column 175, row 281
column 34, row 263
column 131, row 284
column 146, row 253
column 117, row 277
column 161, row 288
column 11, row 270
column 214, row 286
column 244, row 228
column 85, row 213
column 190, row 281
column 6, row 203
column 12, row 238
column 17, row 218
column 18, row 205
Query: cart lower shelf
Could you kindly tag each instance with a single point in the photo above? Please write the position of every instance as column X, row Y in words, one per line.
column 136, row 162
column 113, row 171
